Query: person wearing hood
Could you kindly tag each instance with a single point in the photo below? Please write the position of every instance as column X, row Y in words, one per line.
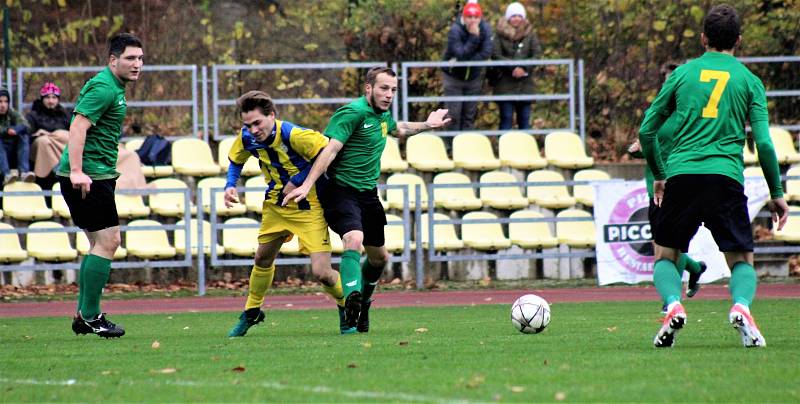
column 469, row 39
column 515, row 39
column 49, row 123
column 14, row 133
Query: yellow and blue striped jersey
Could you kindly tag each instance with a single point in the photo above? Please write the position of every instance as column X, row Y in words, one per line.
column 286, row 155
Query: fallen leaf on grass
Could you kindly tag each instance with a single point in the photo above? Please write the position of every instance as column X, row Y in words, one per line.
column 611, row 329
column 475, row 381
column 421, row 329
column 403, row 343
column 239, row 369
column 155, row 345
column 560, row 396
column 109, row 372
column 215, row 358
column 367, row 345
column 165, row 371
column 352, row 365
column 186, row 328
column 545, row 362
column 517, row 389
column 27, row 338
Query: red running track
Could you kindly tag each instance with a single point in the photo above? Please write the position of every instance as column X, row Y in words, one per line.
column 388, row 299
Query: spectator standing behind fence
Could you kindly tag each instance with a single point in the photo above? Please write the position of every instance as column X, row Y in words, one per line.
column 514, row 39
column 469, row 39
column 49, row 124
column 14, row 131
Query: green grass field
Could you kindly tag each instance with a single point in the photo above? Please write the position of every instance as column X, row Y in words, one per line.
column 590, row 352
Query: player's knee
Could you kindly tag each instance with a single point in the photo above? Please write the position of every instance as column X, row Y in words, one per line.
column 353, row 241
column 263, row 260
column 380, row 261
column 109, row 241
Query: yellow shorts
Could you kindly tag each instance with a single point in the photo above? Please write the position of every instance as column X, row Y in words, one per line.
column 308, row 225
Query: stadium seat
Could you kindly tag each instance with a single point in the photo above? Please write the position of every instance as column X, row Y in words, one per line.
column 148, row 244
column 169, row 204
column 462, row 198
column 585, row 193
column 10, row 249
column 749, row 156
column 395, row 234
column 59, row 205
column 1, row 213
column 549, row 196
column 395, row 196
column 792, row 191
column 193, row 157
column 254, row 200
column 205, row 186
column 785, row 149
column 180, row 239
column 504, row 197
column 426, row 152
column 51, row 246
column 82, row 245
column 444, row 235
column 483, row 236
column 566, row 150
column 241, row 242
column 31, row 207
column 251, row 166
column 791, row 230
column 473, row 151
column 519, row 150
column 131, row 206
column 337, row 246
column 531, row 235
column 579, row 234
column 391, row 160
column 134, row 144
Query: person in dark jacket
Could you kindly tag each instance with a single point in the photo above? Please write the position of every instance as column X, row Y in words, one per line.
column 49, row 123
column 470, row 39
column 15, row 142
column 515, row 39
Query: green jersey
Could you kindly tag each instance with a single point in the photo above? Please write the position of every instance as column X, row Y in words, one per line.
column 363, row 133
column 102, row 102
column 711, row 98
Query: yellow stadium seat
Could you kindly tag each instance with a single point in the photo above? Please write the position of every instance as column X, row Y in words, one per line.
column 575, row 233
column 254, row 200
column 531, row 235
column 504, row 197
column 444, row 235
column 241, row 242
column 205, row 186
column 395, row 234
column 337, row 246
column 749, row 156
column 170, row 204
column 791, row 230
column 148, row 244
column 455, row 198
column 82, row 245
column 549, row 196
column 473, row 151
column 130, row 206
column 251, row 166
column 180, row 238
column 391, row 160
column 60, row 207
column 785, row 149
column 193, row 157
column 792, row 191
column 519, row 150
column 20, row 207
column 483, row 236
column 292, row 247
column 134, row 144
column 51, row 246
column 1, row 213
column 426, row 152
column 566, row 150
column 10, row 249
column 395, row 196
column 585, row 193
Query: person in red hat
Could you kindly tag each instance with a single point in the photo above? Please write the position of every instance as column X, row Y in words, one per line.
column 469, row 39
column 49, row 122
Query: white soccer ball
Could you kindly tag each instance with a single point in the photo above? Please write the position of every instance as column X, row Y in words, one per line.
column 530, row 314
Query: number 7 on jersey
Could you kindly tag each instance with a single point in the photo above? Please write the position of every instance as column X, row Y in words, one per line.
column 722, row 77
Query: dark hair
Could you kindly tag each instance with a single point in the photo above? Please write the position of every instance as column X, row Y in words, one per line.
column 255, row 99
column 372, row 74
column 722, row 27
column 120, row 41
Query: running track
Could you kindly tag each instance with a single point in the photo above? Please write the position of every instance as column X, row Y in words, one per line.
column 388, row 299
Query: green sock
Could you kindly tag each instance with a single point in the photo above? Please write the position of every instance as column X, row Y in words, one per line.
column 667, row 281
column 80, row 284
column 369, row 276
column 743, row 283
column 94, row 280
column 350, row 271
column 690, row 265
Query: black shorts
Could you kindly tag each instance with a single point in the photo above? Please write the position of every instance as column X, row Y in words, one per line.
column 347, row 209
column 98, row 210
column 652, row 217
column 715, row 200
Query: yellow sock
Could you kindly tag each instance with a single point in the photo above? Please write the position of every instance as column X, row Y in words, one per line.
column 260, row 281
column 336, row 291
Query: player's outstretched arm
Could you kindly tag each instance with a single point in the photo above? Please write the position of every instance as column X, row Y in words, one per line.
column 437, row 119
column 321, row 163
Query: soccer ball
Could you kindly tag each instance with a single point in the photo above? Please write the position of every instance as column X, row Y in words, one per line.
column 530, row 314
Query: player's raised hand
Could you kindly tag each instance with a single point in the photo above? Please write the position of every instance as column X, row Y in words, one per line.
column 296, row 195
column 658, row 192
column 437, row 119
column 780, row 211
column 80, row 181
column 231, row 197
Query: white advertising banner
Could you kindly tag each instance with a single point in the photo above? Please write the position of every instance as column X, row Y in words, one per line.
column 624, row 248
